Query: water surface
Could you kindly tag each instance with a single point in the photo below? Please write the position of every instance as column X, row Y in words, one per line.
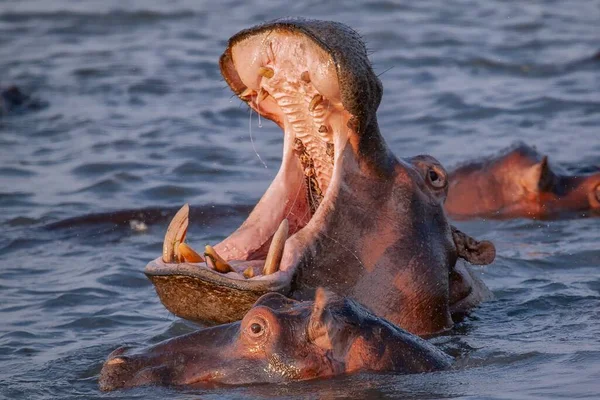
column 138, row 116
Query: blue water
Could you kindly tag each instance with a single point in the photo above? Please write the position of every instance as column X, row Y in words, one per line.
column 137, row 115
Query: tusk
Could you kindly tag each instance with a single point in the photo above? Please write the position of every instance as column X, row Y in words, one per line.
column 188, row 254
column 215, row 259
column 276, row 250
column 176, row 234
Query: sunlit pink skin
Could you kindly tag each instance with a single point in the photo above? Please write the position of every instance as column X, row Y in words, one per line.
column 379, row 233
column 520, row 183
column 278, row 340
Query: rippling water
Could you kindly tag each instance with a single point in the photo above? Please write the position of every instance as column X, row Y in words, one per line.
column 137, row 115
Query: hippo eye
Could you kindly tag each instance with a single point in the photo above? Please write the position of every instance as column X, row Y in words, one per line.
column 257, row 328
column 436, row 178
column 597, row 192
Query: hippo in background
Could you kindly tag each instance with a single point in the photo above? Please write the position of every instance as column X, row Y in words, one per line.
column 520, row 183
column 343, row 212
column 278, row 340
column 12, row 99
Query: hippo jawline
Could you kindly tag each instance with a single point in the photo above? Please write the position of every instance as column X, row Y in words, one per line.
column 298, row 74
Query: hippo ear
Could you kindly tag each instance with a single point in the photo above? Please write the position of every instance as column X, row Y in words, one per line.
column 318, row 331
column 475, row 252
column 539, row 177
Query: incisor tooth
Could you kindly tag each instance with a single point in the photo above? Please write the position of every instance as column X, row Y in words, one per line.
column 247, row 94
column 176, row 234
column 316, row 100
column 266, row 72
column 217, row 262
column 276, row 250
column 188, row 254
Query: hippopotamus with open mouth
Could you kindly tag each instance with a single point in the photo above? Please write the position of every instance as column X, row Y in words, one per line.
column 278, row 340
column 520, row 182
column 343, row 212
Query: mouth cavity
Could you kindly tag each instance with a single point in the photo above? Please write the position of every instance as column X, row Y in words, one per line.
column 299, row 74
column 278, row 84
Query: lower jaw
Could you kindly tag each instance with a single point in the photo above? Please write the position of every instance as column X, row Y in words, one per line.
column 196, row 292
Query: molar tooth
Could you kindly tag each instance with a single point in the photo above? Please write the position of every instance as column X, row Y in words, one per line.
column 266, row 72
column 276, row 250
column 215, row 259
column 305, row 77
column 176, row 234
column 249, row 272
column 316, row 100
column 263, row 94
column 188, row 254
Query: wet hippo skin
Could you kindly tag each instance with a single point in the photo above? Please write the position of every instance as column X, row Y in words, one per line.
column 343, row 211
column 520, row 182
column 278, row 340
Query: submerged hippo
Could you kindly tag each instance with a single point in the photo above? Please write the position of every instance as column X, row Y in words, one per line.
column 520, row 183
column 343, row 212
column 278, row 340
column 12, row 98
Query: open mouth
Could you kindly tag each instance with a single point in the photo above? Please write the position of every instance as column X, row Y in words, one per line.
column 343, row 212
column 290, row 77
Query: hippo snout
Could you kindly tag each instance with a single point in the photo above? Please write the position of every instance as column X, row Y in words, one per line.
column 117, row 371
column 122, row 371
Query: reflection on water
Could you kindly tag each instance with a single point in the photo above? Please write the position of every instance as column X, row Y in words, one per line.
column 137, row 116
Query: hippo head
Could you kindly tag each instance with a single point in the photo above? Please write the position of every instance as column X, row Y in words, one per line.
column 521, row 183
column 343, row 212
column 278, row 340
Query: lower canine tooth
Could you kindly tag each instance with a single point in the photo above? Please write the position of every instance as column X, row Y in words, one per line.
column 276, row 250
column 215, row 259
column 176, row 234
column 188, row 254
